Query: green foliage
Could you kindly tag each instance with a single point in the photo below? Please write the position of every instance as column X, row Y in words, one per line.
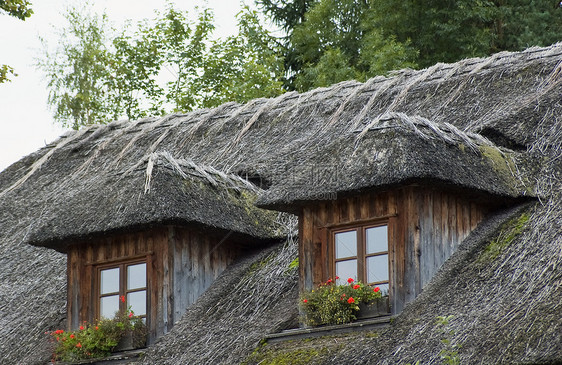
column 371, row 37
column 441, row 31
column 20, row 9
column 508, row 232
column 4, row 71
column 243, row 67
column 78, row 70
column 98, row 340
column 336, row 304
column 285, row 13
column 449, row 354
column 294, row 264
column 166, row 64
column 338, row 42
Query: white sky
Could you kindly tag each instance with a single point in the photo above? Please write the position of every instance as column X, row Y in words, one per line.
column 26, row 123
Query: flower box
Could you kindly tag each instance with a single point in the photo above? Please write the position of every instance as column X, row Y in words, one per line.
column 378, row 307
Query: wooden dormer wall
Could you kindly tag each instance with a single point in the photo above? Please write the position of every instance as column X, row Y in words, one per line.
column 425, row 226
column 181, row 265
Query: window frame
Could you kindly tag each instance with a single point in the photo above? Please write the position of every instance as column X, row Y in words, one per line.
column 123, row 291
column 361, row 234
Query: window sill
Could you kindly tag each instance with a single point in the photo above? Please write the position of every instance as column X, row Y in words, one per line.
column 300, row 333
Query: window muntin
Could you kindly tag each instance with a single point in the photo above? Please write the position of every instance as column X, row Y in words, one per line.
column 361, row 253
column 122, row 281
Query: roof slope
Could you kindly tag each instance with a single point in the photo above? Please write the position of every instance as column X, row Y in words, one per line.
column 250, row 299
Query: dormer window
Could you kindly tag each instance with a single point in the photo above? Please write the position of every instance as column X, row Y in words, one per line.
column 361, row 253
column 395, row 239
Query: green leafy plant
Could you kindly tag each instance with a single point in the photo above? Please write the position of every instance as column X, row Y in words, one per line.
column 336, row 304
column 449, row 354
column 99, row 339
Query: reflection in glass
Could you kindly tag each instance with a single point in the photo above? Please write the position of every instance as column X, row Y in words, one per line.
column 109, row 305
column 136, row 276
column 346, row 244
column 110, row 281
column 346, row 269
column 137, row 301
column 377, row 268
column 377, row 239
column 383, row 288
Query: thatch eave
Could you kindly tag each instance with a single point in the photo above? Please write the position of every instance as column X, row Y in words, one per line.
column 393, row 152
column 126, row 203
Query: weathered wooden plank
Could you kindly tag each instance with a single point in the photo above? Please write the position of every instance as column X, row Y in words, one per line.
column 364, row 206
column 392, row 205
column 445, row 237
column 427, row 248
column 465, row 219
column 398, row 292
column 308, row 249
column 452, row 225
column 412, row 274
column 320, row 216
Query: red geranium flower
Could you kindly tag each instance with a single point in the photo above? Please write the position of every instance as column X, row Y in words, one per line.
column 81, row 328
column 122, row 298
column 350, row 280
column 329, row 281
column 337, row 277
column 71, row 336
column 97, row 328
column 377, row 289
column 351, row 300
column 356, row 286
column 78, row 345
column 305, row 301
column 130, row 314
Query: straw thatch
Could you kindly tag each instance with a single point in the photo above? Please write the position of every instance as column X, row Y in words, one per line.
column 489, row 125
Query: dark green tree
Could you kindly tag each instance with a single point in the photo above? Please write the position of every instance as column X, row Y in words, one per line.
column 450, row 30
column 343, row 39
column 338, row 41
column 287, row 14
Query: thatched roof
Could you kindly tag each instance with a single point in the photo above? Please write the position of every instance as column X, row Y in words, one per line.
column 415, row 125
column 487, row 125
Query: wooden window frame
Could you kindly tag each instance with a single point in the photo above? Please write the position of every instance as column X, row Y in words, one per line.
column 360, row 229
column 122, row 265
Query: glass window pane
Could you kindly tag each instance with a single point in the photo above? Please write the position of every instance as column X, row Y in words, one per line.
column 383, row 288
column 109, row 281
column 377, row 239
column 137, row 301
column 346, row 244
column 377, row 268
column 136, row 276
column 346, row 269
column 109, row 305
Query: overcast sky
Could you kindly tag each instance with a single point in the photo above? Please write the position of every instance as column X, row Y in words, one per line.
column 26, row 123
